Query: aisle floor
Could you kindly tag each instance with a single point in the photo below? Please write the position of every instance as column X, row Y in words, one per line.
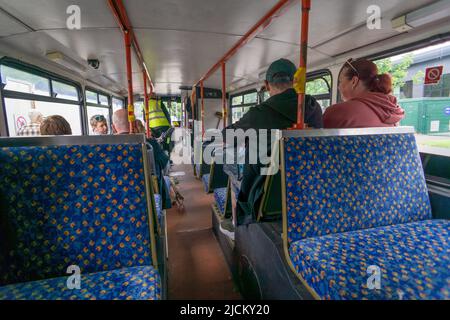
column 197, row 266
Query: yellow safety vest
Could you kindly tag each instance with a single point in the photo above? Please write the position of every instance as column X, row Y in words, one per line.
column 156, row 115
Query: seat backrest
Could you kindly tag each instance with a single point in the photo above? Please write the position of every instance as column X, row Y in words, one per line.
column 151, row 159
column 75, row 204
column 337, row 181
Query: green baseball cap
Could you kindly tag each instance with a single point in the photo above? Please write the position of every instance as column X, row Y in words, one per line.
column 281, row 71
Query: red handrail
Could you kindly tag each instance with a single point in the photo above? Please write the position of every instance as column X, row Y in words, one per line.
column 262, row 24
column 146, row 111
column 306, row 7
column 120, row 14
column 224, row 96
column 130, row 81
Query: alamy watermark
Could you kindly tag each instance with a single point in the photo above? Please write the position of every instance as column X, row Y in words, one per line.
column 374, row 18
column 230, row 146
column 74, row 280
column 73, row 21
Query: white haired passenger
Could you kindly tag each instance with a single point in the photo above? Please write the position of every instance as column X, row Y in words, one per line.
column 32, row 129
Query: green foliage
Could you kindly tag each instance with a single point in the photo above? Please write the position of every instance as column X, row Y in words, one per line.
column 318, row 86
column 419, row 77
column 398, row 71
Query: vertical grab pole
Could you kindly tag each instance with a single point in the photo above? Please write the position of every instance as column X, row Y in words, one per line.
column 131, row 116
column 148, row 123
column 147, row 116
column 224, row 97
column 185, row 117
column 203, row 107
column 306, row 7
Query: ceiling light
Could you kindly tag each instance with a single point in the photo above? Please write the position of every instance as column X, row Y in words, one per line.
column 65, row 61
column 423, row 16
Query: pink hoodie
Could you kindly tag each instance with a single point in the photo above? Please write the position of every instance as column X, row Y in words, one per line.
column 372, row 109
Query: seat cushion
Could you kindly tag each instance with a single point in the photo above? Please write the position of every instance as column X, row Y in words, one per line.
column 346, row 183
column 414, row 261
column 135, row 283
column 205, row 180
column 220, row 195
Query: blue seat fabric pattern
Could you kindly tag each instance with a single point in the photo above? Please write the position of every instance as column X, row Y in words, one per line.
column 220, row 195
column 136, row 283
column 414, row 262
column 73, row 205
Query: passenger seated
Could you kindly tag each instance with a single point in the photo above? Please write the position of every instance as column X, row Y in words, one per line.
column 277, row 112
column 120, row 122
column 99, row 124
column 139, row 126
column 367, row 98
column 55, row 126
column 32, row 129
column 161, row 161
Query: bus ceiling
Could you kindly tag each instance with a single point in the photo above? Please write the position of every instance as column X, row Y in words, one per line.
column 175, row 42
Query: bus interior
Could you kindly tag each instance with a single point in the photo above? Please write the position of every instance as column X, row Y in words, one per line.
column 348, row 213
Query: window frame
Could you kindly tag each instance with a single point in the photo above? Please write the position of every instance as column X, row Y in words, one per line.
column 321, row 74
column 120, row 99
column 243, row 105
column 50, row 76
column 98, row 105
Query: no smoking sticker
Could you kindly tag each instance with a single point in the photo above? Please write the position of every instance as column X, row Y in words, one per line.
column 433, row 75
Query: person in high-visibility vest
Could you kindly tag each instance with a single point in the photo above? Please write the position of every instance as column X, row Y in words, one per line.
column 158, row 121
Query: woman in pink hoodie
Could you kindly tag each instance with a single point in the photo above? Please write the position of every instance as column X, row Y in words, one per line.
column 367, row 98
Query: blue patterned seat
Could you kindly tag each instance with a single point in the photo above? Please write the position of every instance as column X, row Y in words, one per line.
column 205, row 180
column 220, row 195
column 414, row 262
column 357, row 200
column 81, row 205
column 135, row 283
column 158, row 205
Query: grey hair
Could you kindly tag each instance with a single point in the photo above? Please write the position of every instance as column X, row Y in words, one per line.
column 120, row 120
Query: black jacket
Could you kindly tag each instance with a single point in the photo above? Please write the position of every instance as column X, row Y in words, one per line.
column 278, row 112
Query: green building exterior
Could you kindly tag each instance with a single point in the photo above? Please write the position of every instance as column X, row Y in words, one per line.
column 427, row 115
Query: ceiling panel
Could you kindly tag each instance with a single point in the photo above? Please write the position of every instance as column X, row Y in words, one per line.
column 234, row 17
column 182, row 39
column 51, row 14
column 9, row 26
column 329, row 19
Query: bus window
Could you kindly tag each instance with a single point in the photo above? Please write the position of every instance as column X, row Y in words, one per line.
column 427, row 106
column 65, row 91
column 265, row 95
column 176, row 111
column 241, row 103
column 117, row 104
column 18, row 110
column 21, row 81
column 36, row 92
column 97, row 104
column 139, row 111
column 91, row 97
column 320, row 88
column 103, row 100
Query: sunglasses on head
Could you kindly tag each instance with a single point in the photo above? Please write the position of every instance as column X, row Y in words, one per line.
column 99, row 118
column 349, row 63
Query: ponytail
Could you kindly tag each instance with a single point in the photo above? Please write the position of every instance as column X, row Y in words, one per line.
column 381, row 83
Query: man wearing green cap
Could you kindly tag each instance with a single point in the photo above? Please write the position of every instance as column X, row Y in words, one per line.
column 278, row 112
